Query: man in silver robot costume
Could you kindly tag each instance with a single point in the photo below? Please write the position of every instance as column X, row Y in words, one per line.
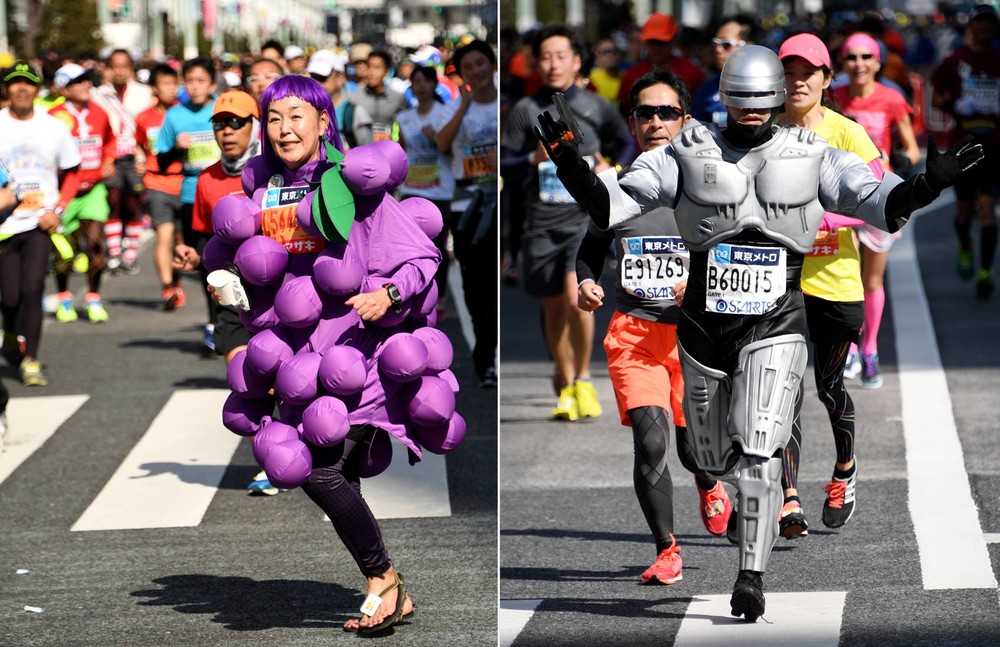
column 749, row 201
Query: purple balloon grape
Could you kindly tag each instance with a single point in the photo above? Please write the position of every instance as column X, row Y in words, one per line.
column 289, row 464
column 244, row 382
column 243, row 416
column 343, row 370
column 235, row 218
column 339, row 271
column 325, row 422
column 426, row 214
column 271, row 434
column 297, row 303
column 267, row 350
column 431, row 401
column 296, row 381
column 396, row 158
column 365, row 170
column 441, row 439
column 217, row 253
column 262, row 260
column 439, row 349
column 403, row 358
column 304, row 214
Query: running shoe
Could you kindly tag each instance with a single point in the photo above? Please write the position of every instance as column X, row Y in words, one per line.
column 715, row 509
column 852, row 368
column 261, row 486
column 586, row 399
column 488, row 379
column 667, row 567
column 871, row 375
column 984, row 285
column 208, row 341
column 566, row 407
column 173, row 298
column 792, row 521
column 840, row 499
column 130, row 267
column 95, row 310
column 965, row 264
column 113, row 264
column 65, row 312
column 12, row 351
column 31, row 373
column 4, row 429
column 748, row 596
column 733, row 527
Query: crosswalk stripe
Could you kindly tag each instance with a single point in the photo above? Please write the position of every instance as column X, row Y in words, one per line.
column 939, row 491
column 171, row 475
column 403, row 491
column 32, row 421
column 806, row 619
column 513, row 617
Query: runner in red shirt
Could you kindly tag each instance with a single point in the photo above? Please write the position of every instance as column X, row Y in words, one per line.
column 163, row 186
column 86, row 214
column 658, row 36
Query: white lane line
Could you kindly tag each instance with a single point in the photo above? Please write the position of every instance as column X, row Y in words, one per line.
column 455, row 287
column 939, row 492
column 796, row 619
column 513, row 617
column 171, row 475
column 403, row 491
column 32, row 421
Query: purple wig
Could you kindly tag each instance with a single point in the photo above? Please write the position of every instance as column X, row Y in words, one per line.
column 307, row 90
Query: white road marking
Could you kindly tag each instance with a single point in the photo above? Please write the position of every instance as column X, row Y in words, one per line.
column 806, row 619
column 455, row 287
column 171, row 475
column 403, row 491
column 992, row 537
column 32, row 421
column 939, row 492
column 513, row 617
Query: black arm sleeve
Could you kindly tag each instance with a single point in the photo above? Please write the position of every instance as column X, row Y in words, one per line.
column 906, row 198
column 586, row 188
column 166, row 158
column 590, row 256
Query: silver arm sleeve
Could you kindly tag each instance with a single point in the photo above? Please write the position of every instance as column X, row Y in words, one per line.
column 849, row 187
column 651, row 182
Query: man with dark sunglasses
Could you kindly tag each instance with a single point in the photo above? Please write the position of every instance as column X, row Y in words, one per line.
column 732, row 33
column 749, row 201
column 641, row 343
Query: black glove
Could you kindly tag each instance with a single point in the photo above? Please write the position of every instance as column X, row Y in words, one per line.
column 557, row 138
column 944, row 168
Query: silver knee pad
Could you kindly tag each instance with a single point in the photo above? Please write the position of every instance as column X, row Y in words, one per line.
column 759, row 482
column 765, row 388
column 706, row 408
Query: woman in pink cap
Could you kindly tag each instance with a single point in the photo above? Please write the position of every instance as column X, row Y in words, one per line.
column 878, row 109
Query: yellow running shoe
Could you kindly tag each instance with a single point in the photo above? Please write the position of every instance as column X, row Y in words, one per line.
column 65, row 312
column 96, row 312
column 31, row 373
column 586, row 399
column 566, row 408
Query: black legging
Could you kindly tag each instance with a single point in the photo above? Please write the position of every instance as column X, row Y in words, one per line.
column 651, row 476
column 829, row 372
column 88, row 237
column 24, row 261
column 336, row 488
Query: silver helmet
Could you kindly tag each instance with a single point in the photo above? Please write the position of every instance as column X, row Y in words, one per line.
column 753, row 77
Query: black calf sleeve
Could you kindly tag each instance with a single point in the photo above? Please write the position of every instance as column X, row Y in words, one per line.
column 829, row 370
column 653, row 487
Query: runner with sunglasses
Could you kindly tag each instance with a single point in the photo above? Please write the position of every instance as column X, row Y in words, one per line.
column 732, row 33
column 749, row 201
column 641, row 342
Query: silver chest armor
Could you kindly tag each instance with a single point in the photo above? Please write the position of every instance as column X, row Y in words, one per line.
column 773, row 188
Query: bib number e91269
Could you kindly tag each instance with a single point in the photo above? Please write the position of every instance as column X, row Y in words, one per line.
column 652, row 266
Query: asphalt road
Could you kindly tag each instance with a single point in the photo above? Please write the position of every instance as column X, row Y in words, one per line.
column 250, row 570
column 573, row 540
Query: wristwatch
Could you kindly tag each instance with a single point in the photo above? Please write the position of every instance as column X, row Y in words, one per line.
column 394, row 296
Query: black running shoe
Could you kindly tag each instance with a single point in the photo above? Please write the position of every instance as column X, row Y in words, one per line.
column 792, row 522
column 748, row 596
column 841, row 499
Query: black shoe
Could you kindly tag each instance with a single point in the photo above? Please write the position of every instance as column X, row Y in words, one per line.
column 748, row 596
column 488, row 380
column 792, row 522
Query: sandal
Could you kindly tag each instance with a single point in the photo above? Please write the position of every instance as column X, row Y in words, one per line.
column 372, row 603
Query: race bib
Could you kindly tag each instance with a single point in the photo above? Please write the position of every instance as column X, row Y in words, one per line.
column 424, row 171
column 202, row 153
column 90, row 152
column 278, row 220
column 827, row 243
column 33, row 197
column 550, row 187
column 125, row 145
column 983, row 93
column 151, row 135
column 652, row 266
column 744, row 280
column 382, row 132
column 480, row 162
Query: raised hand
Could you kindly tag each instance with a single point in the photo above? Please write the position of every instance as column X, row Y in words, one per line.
column 557, row 138
column 944, row 168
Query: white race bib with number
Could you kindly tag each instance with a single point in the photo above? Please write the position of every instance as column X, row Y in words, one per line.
column 744, row 280
column 652, row 266
column 550, row 187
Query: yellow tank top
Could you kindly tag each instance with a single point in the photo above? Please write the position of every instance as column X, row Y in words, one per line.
column 832, row 270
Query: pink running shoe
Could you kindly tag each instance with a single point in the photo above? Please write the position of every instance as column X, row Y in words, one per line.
column 667, row 567
column 715, row 509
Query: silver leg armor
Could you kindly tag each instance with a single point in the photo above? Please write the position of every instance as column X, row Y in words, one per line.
column 765, row 388
column 706, row 409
